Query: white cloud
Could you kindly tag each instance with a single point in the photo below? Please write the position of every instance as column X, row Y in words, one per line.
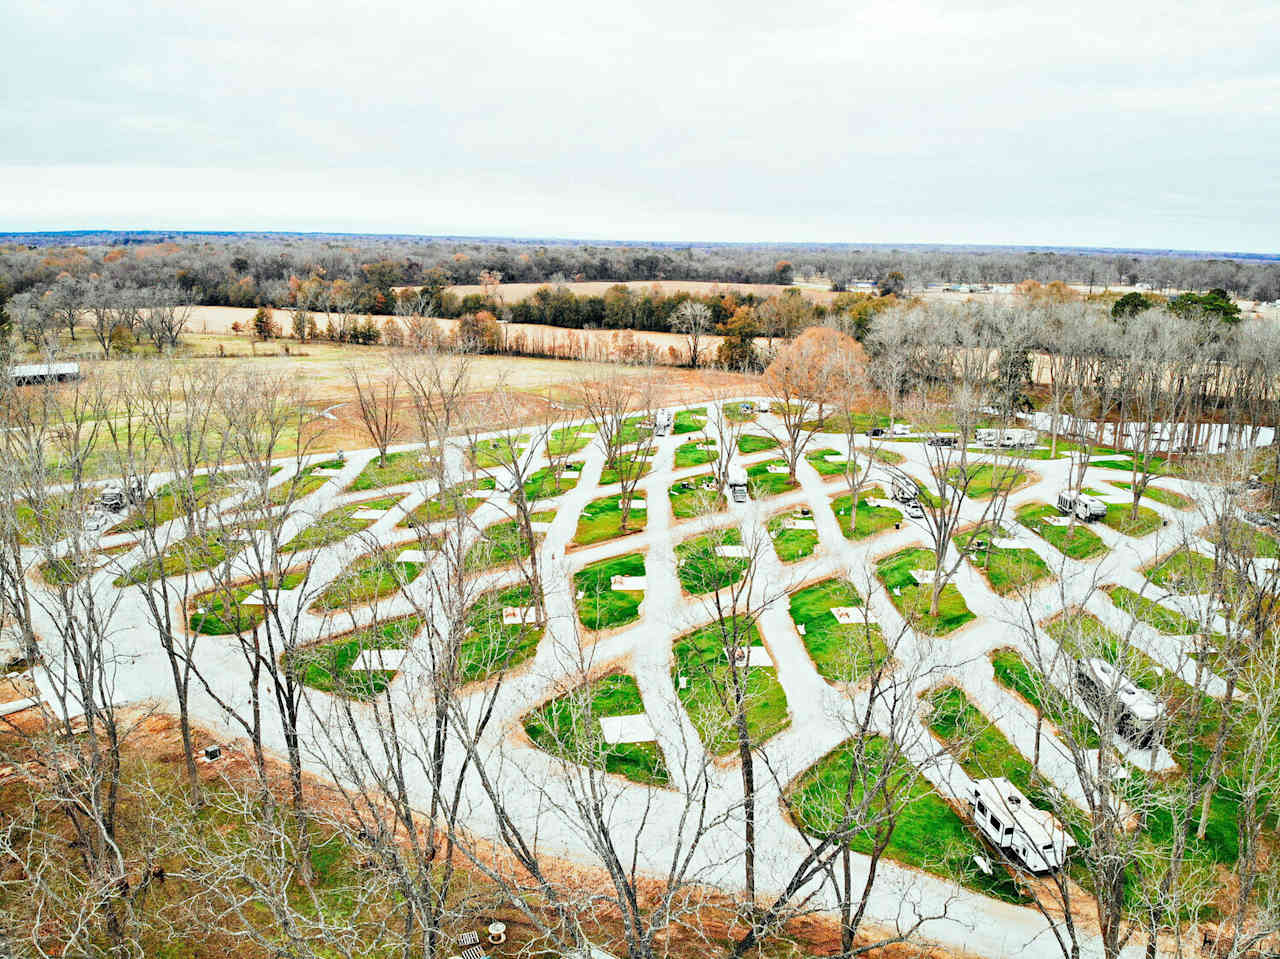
column 913, row 120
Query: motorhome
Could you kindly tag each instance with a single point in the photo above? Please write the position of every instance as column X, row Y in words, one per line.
column 1086, row 508
column 738, row 484
column 986, row 436
column 1138, row 715
column 1030, row 837
column 903, row 490
column 1019, row 438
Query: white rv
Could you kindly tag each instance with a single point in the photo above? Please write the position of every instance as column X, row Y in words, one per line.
column 1019, row 438
column 1029, row 836
column 663, row 420
column 1086, row 508
column 1138, row 715
column 986, row 436
column 738, row 483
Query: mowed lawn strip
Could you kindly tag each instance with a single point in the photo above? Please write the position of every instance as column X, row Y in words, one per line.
column 220, row 612
column 763, row 480
column 569, row 727
column 695, row 453
column 406, row 466
column 792, row 544
column 693, row 497
column 842, row 653
column 1005, row 568
column 337, row 524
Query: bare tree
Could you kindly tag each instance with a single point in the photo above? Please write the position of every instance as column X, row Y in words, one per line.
column 693, row 321
column 378, row 408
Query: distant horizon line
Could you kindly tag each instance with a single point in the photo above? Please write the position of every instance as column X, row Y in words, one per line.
column 108, row 232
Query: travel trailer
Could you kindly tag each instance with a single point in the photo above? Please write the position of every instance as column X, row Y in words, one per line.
column 1138, row 715
column 986, row 436
column 738, row 484
column 1029, row 836
column 1085, row 508
column 663, row 420
column 948, row 440
column 1018, row 438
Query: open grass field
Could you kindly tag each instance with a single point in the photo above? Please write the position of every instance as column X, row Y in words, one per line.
column 912, row 597
column 600, row 606
column 1076, row 541
column 841, row 652
column 700, row 658
column 569, row 727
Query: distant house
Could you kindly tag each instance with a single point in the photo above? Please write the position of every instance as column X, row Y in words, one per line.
column 29, row 374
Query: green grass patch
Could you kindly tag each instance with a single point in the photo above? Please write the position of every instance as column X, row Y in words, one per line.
column 407, row 466
column 1005, row 569
column 569, row 727
column 701, row 569
column 825, row 467
column 986, row 479
column 569, row 439
column 491, row 453
column 764, row 483
column 370, row 577
column 447, row 504
column 1160, row 495
column 1119, row 518
column 755, row 443
column 490, row 645
column 695, row 453
column 690, row 497
column 337, row 524
column 866, row 520
column 792, row 544
column 220, row 612
column 173, row 500
column 842, row 653
column 1185, row 572
column 601, row 519
column 912, row 597
column 601, row 606
column 326, row 666
column 1076, row 541
column 630, row 465
column 190, row 555
column 1016, row 674
column 927, row 833
column 689, row 421
column 709, row 698
column 504, row 543
column 1159, row 617
column 546, row 482
column 734, row 413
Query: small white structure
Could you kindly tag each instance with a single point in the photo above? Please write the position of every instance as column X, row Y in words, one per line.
column 732, row 551
column 519, row 615
column 380, row 659
column 412, row 556
column 799, row 522
column 28, row 374
column 374, row 514
column 922, row 576
column 627, row 584
column 846, row 615
column 1030, row 836
column 327, row 471
column 540, row 527
column 752, row 656
column 776, row 470
column 901, row 429
column 986, row 436
column 635, row 728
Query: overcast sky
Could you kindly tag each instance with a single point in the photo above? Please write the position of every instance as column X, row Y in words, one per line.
column 1129, row 123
